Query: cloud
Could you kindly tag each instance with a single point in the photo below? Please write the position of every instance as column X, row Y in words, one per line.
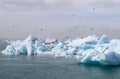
column 105, row 4
column 29, row 5
column 42, row 5
column 56, row 5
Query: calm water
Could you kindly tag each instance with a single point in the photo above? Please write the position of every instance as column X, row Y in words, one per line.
column 36, row 67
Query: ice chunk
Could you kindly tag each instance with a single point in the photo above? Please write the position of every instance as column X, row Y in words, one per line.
column 102, row 53
column 103, row 39
column 27, row 47
column 86, row 46
column 31, row 40
column 79, row 42
column 115, row 45
column 59, row 46
column 60, row 50
column 51, row 41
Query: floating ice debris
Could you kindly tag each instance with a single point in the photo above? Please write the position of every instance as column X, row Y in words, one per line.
column 90, row 50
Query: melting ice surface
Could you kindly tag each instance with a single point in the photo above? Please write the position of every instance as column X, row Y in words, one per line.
column 89, row 50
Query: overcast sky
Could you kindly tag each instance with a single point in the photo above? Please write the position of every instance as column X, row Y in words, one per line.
column 59, row 18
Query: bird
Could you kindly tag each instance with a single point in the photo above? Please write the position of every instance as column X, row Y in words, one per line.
column 94, row 8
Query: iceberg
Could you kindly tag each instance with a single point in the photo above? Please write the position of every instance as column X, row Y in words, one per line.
column 29, row 46
column 104, row 52
column 89, row 50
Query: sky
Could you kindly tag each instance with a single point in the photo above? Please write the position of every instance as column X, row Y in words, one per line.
column 59, row 19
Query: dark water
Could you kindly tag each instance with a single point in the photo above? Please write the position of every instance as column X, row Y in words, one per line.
column 40, row 67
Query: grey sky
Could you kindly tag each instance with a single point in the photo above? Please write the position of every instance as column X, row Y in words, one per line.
column 59, row 18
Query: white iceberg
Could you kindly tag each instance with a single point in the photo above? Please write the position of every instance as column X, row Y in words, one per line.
column 90, row 50
column 101, row 53
column 27, row 47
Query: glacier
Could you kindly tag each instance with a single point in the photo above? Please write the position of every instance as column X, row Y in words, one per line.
column 88, row 50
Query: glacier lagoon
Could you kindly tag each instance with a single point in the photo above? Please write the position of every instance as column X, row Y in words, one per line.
column 49, row 67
